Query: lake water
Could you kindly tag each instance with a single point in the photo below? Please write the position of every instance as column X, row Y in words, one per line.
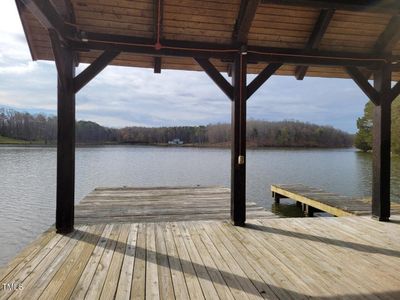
column 28, row 178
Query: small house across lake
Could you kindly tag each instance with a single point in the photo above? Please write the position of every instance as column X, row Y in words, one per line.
column 175, row 142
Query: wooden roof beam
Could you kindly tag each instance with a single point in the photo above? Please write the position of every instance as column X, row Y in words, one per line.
column 389, row 37
column 216, row 76
column 158, row 8
column 315, row 57
column 376, row 6
column 71, row 18
column 157, row 64
column 317, row 34
column 47, row 15
column 247, row 12
column 261, row 78
column 387, row 40
column 21, row 10
column 364, row 85
column 94, row 69
column 174, row 48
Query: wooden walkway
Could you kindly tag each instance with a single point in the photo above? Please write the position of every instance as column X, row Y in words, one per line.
column 270, row 258
column 111, row 205
column 320, row 200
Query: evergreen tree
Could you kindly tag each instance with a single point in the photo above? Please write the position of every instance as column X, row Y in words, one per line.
column 363, row 139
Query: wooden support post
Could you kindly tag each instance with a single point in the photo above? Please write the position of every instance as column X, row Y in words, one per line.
column 277, row 198
column 64, row 58
column 310, row 211
column 238, row 176
column 381, row 147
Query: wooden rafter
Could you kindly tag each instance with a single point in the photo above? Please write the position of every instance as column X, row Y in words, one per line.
column 387, row 94
column 97, row 41
column 227, row 88
column 48, row 16
column 157, row 64
column 216, row 76
column 364, row 85
column 392, row 93
column 94, row 69
column 387, row 40
column 158, row 8
column 247, row 12
column 71, row 18
column 262, row 78
column 245, row 17
column 21, row 10
column 318, row 32
column 389, row 37
column 388, row 6
column 395, row 91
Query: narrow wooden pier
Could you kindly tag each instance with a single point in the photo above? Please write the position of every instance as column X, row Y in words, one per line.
column 270, row 258
column 314, row 200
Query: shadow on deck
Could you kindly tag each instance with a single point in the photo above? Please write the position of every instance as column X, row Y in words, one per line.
column 270, row 258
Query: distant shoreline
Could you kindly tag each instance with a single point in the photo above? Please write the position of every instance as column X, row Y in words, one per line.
column 21, row 143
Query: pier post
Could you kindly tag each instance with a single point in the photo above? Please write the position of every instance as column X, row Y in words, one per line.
column 381, row 146
column 238, row 157
column 65, row 63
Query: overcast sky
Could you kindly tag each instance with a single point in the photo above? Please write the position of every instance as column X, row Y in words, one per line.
column 132, row 96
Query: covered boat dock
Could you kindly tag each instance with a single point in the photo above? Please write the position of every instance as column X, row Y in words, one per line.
column 325, row 258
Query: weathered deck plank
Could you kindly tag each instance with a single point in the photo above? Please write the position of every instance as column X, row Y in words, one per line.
column 281, row 259
column 162, row 204
column 270, row 258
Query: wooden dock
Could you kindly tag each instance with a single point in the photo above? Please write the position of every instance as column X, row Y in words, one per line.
column 314, row 199
column 270, row 258
column 127, row 204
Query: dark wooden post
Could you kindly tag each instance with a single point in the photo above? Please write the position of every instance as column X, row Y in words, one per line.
column 309, row 211
column 238, row 176
column 277, row 198
column 65, row 136
column 381, row 147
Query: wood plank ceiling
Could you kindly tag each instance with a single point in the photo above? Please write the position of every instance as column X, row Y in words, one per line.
column 272, row 24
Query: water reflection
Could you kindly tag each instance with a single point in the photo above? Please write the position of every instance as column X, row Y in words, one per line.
column 28, row 177
column 364, row 168
column 287, row 210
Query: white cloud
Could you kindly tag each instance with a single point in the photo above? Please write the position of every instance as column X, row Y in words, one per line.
column 9, row 19
column 18, row 69
column 122, row 96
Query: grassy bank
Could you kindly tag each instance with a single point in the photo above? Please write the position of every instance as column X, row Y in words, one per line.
column 11, row 141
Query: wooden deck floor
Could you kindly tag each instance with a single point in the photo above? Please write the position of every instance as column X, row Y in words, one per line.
column 328, row 258
column 271, row 258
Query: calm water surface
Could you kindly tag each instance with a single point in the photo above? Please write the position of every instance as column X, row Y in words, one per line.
column 28, row 178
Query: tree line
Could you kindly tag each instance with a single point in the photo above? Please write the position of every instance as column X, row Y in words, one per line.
column 363, row 138
column 43, row 129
